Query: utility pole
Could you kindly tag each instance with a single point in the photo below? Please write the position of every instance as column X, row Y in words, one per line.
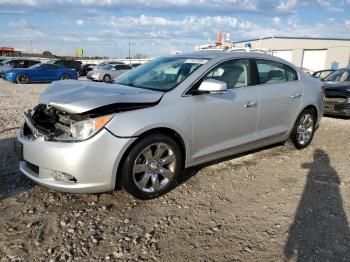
column 31, row 47
column 115, row 51
column 129, row 52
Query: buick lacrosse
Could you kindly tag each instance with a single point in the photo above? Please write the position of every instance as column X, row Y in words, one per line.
column 169, row 114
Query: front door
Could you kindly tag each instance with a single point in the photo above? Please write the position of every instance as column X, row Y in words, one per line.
column 224, row 121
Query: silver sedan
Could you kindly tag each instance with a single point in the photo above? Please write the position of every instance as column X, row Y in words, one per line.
column 108, row 72
column 172, row 113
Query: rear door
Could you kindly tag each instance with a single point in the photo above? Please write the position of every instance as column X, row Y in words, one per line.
column 280, row 98
column 221, row 122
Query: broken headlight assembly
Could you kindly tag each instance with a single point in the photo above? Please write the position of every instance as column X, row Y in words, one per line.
column 85, row 129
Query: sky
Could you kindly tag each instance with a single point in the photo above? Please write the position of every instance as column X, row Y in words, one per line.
column 161, row 27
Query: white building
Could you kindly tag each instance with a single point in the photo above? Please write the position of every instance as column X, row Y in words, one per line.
column 312, row 54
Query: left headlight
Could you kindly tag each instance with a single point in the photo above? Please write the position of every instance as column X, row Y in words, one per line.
column 84, row 129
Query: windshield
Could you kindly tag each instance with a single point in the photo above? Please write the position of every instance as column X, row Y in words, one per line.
column 106, row 67
column 339, row 76
column 162, row 74
column 51, row 61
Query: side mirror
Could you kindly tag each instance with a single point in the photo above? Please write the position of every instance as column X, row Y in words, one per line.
column 212, row 86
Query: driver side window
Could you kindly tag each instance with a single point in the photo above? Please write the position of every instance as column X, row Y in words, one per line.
column 235, row 73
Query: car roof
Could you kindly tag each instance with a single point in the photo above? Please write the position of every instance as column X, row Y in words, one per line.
column 223, row 55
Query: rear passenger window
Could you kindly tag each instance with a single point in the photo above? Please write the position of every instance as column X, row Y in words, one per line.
column 235, row 73
column 271, row 72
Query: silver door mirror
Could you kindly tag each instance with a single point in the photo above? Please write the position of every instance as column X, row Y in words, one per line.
column 212, row 86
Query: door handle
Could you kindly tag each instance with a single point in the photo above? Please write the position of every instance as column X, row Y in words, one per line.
column 250, row 104
column 297, row 95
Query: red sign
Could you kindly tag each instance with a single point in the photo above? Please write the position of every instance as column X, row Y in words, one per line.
column 7, row 49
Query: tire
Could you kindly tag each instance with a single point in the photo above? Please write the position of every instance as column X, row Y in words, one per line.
column 107, row 79
column 146, row 175
column 65, row 77
column 303, row 130
column 22, row 79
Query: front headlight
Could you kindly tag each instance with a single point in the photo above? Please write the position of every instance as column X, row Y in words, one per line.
column 96, row 75
column 84, row 129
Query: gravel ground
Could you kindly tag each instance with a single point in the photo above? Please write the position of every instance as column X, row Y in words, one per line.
column 275, row 204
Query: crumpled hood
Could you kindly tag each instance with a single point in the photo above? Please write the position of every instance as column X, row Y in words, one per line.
column 77, row 97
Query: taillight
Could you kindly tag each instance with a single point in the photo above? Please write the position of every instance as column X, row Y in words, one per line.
column 323, row 87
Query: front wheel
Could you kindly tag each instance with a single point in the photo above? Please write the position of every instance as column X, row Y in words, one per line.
column 304, row 130
column 22, row 79
column 151, row 167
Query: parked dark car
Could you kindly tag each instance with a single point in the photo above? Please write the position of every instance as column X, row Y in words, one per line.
column 86, row 68
column 322, row 74
column 337, row 87
column 72, row 64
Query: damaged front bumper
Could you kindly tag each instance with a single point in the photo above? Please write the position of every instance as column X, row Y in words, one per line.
column 88, row 166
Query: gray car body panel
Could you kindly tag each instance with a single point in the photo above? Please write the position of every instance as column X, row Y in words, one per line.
column 211, row 126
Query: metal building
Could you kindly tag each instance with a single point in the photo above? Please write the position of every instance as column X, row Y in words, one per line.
column 312, row 54
column 9, row 51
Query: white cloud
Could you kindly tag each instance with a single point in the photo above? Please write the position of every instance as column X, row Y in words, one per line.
column 328, row 5
column 80, row 22
column 287, row 5
column 347, row 23
column 18, row 24
column 276, row 21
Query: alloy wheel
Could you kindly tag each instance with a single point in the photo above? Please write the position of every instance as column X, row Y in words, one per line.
column 305, row 129
column 154, row 168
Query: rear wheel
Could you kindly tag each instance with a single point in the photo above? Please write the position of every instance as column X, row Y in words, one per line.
column 107, row 79
column 151, row 167
column 22, row 79
column 304, row 130
column 65, row 77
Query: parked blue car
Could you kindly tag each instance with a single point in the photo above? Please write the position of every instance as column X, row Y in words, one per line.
column 39, row 73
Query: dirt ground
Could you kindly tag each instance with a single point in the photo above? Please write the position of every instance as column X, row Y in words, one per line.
column 275, row 204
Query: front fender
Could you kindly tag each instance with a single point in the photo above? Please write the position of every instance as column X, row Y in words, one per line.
column 174, row 116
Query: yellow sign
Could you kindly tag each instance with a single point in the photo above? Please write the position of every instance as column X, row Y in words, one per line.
column 79, row 52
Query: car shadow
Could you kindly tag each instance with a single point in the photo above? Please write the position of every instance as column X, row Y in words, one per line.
column 320, row 231
column 12, row 182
